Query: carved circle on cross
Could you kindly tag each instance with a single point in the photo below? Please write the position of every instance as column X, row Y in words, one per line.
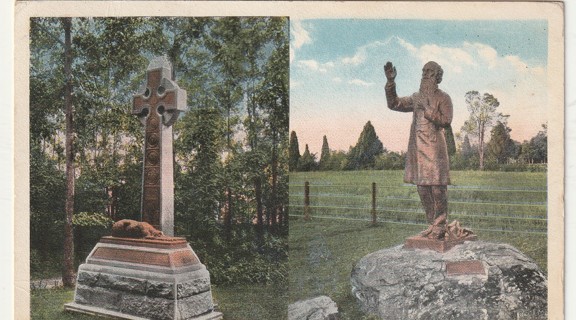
column 153, row 157
column 152, row 176
column 153, row 139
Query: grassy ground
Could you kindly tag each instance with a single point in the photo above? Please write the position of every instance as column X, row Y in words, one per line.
column 324, row 250
column 513, row 201
column 244, row 302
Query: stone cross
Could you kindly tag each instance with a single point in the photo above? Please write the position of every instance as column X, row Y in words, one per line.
column 158, row 104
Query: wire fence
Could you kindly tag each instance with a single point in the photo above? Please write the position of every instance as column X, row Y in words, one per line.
column 506, row 209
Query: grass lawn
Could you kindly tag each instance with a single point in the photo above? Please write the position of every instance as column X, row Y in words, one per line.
column 240, row 302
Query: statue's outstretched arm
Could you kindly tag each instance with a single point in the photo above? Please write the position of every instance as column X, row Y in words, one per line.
column 394, row 102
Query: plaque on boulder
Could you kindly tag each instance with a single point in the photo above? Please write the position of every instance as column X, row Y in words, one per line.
column 142, row 271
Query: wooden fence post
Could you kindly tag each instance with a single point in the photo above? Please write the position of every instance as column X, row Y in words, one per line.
column 373, row 203
column 306, row 201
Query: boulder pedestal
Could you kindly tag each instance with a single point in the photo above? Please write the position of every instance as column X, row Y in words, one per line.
column 144, row 279
column 473, row 280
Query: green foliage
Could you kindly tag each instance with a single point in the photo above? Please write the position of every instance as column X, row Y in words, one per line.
column 231, row 148
column 307, row 161
column 363, row 154
column 483, row 115
column 324, row 155
column 249, row 261
column 294, row 152
column 86, row 219
column 390, row 161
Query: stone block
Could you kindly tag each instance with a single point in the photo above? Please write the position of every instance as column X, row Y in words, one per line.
column 87, row 278
column 190, row 288
column 98, row 297
column 120, row 283
column 195, row 305
column 158, row 289
column 147, row 307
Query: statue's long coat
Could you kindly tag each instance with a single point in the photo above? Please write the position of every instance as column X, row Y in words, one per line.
column 427, row 161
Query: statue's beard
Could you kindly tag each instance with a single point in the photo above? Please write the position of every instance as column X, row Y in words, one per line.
column 428, row 86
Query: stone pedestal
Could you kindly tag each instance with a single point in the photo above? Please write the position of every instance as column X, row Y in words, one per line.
column 473, row 280
column 144, row 279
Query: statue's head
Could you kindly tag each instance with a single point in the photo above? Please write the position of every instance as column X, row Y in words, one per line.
column 432, row 70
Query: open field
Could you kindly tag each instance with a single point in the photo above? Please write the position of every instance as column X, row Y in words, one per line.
column 238, row 302
column 498, row 206
column 492, row 201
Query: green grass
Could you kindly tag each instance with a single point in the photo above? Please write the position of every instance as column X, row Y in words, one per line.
column 241, row 302
column 513, row 201
column 324, row 250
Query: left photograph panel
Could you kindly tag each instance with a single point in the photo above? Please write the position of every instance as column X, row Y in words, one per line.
column 158, row 167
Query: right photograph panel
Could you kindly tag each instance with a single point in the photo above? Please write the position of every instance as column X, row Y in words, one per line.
column 419, row 168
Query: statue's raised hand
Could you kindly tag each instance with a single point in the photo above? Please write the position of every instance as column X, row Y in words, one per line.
column 390, row 71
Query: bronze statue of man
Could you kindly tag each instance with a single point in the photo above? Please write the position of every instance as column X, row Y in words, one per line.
column 427, row 162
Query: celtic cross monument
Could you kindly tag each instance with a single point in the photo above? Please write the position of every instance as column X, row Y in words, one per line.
column 158, row 104
column 139, row 272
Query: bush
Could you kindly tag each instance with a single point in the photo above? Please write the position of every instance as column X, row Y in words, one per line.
column 242, row 256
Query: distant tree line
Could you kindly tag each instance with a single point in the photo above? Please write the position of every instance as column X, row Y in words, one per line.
column 472, row 152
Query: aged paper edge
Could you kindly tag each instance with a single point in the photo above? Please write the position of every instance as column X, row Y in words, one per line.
column 552, row 11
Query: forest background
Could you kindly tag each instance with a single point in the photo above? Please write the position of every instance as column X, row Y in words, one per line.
column 230, row 147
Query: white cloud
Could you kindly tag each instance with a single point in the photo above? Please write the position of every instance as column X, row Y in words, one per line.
column 337, row 79
column 517, row 63
column 299, row 35
column 356, row 59
column 359, row 82
column 361, row 53
column 315, row 65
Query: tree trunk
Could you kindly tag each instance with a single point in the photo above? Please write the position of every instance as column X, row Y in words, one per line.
column 228, row 214
column 274, row 165
column 481, row 147
column 259, row 209
column 68, row 274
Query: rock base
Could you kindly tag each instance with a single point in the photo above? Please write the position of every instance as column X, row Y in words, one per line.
column 144, row 279
column 474, row 280
column 319, row 308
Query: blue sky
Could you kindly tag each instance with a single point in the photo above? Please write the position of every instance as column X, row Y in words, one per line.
column 337, row 75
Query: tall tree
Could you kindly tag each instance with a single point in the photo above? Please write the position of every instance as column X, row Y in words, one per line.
column 68, row 272
column 293, row 152
column 324, row 155
column 539, row 146
column 501, row 146
column 308, row 160
column 483, row 115
column 363, row 154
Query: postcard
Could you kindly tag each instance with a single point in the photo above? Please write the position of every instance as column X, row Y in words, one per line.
column 383, row 159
